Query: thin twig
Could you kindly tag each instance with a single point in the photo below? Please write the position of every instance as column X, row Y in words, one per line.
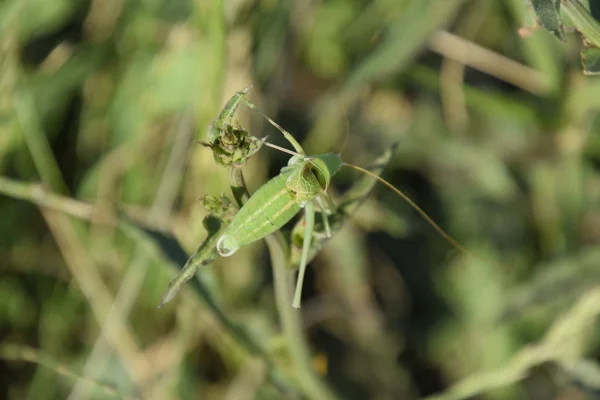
column 86, row 274
column 489, row 62
column 452, row 72
column 38, row 194
column 83, row 269
column 291, row 321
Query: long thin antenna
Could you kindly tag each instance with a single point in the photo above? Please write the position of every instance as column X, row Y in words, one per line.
column 435, row 226
column 347, row 134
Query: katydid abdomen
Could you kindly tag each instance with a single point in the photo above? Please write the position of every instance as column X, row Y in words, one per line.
column 269, row 208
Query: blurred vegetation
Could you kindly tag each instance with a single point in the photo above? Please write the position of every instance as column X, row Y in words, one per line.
column 100, row 188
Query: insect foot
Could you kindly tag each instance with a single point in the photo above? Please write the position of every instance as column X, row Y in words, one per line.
column 227, row 245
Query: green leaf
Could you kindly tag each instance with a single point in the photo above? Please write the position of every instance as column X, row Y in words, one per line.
column 589, row 28
column 556, row 285
column 590, row 59
column 220, row 213
column 584, row 373
column 548, row 12
column 576, row 17
column 583, row 21
column 35, row 17
column 403, row 40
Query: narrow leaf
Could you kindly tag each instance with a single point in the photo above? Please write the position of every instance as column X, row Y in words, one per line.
column 220, row 213
column 548, row 12
column 403, row 40
column 590, row 59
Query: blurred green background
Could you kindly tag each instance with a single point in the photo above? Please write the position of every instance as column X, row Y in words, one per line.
column 497, row 132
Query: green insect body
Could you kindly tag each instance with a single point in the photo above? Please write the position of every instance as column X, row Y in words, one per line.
column 265, row 212
column 305, row 180
column 301, row 183
column 279, row 200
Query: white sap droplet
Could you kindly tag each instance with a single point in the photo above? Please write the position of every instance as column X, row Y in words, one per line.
column 224, row 252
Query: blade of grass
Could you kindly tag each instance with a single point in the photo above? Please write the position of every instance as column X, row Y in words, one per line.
column 583, row 21
column 136, row 271
column 561, row 344
column 67, row 235
column 36, row 140
column 17, row 352
column 404, row 39
column 489, row 62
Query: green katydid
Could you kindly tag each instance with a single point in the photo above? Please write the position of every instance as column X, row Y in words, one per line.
column 303, row 182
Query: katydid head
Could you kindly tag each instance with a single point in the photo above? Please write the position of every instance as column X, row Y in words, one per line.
column 311, row 176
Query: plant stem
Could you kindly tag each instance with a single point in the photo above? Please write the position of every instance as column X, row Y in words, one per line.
column 53, row 204
column 291, row 320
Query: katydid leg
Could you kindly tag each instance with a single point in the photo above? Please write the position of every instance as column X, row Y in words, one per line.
column 285, row 133
column 324, row 213
column 309, row 210
column 330, row 204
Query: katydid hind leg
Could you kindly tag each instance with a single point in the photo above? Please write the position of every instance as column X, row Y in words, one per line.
column 330, row 204
column 309, row 211
column 324, row 216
